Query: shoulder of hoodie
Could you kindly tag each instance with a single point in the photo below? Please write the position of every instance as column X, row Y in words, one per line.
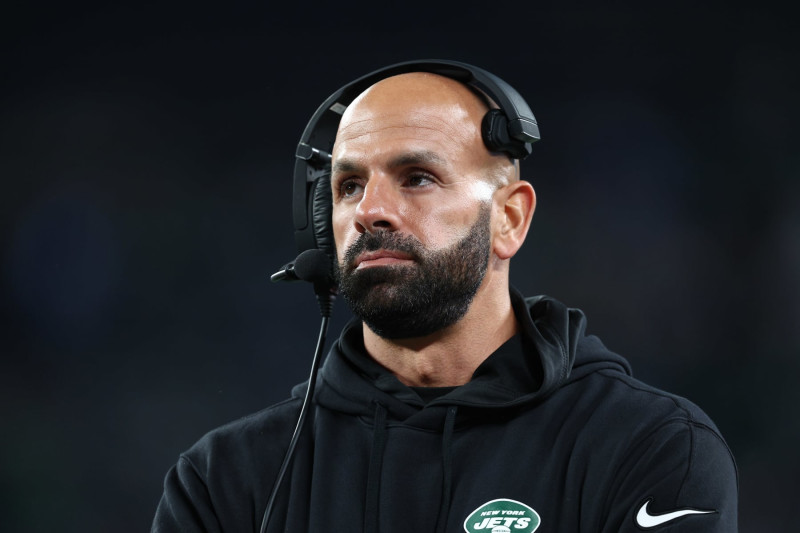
column 638, row 404
column 642, row 415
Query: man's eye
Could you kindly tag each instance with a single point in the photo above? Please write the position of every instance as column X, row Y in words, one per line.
column 418, row 180
column 349, row 188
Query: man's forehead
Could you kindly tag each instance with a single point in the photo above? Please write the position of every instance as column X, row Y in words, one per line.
column 396, row 144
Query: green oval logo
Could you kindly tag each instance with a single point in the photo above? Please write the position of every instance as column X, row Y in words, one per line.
column 502, row 516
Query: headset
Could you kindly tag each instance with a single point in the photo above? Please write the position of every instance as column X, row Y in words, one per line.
column 509, row 129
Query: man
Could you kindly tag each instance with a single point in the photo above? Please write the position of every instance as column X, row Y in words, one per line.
column 453, row 404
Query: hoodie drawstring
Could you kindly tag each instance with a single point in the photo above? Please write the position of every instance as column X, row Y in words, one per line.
column 447, row 467
column 375, row 467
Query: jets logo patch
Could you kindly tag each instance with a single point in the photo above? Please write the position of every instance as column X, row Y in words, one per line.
column 502, row 516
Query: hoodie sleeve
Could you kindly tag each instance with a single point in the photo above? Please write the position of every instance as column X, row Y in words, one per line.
column 680, row 479
column 185, row 505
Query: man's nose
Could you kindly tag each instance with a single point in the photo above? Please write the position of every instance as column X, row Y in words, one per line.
column 377, row 209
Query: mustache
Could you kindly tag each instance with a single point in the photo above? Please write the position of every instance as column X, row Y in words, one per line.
column 383, row 240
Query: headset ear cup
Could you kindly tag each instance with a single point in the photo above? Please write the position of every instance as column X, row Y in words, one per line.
column 494, row 130
column 321, row 209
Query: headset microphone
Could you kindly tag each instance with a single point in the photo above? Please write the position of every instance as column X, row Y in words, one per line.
column 314, row 266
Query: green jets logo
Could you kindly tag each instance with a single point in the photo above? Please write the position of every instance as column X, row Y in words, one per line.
column 502, row 516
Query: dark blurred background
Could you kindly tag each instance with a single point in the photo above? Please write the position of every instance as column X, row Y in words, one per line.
column 146, row 154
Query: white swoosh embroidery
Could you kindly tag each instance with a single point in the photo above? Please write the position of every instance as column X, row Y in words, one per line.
column 646, row 520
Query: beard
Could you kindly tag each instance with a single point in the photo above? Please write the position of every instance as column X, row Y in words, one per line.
column 414, row 300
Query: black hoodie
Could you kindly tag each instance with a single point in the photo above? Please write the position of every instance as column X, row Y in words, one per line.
column 551, row 434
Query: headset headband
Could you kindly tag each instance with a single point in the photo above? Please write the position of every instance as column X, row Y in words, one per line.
column 511, row 129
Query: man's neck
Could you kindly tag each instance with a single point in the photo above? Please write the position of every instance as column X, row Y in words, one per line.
column 450, row 356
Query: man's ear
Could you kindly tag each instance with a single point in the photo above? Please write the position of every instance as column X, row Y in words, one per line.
column 515, row 204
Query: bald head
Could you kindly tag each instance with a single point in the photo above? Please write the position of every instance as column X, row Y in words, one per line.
column 426, row 101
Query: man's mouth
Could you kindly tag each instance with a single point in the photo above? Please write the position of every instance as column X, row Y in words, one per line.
column 381, row 258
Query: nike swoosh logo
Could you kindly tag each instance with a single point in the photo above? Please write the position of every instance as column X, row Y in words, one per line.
column 646, row 520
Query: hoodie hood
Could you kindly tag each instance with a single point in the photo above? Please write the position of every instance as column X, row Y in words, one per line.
column 551, row 349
